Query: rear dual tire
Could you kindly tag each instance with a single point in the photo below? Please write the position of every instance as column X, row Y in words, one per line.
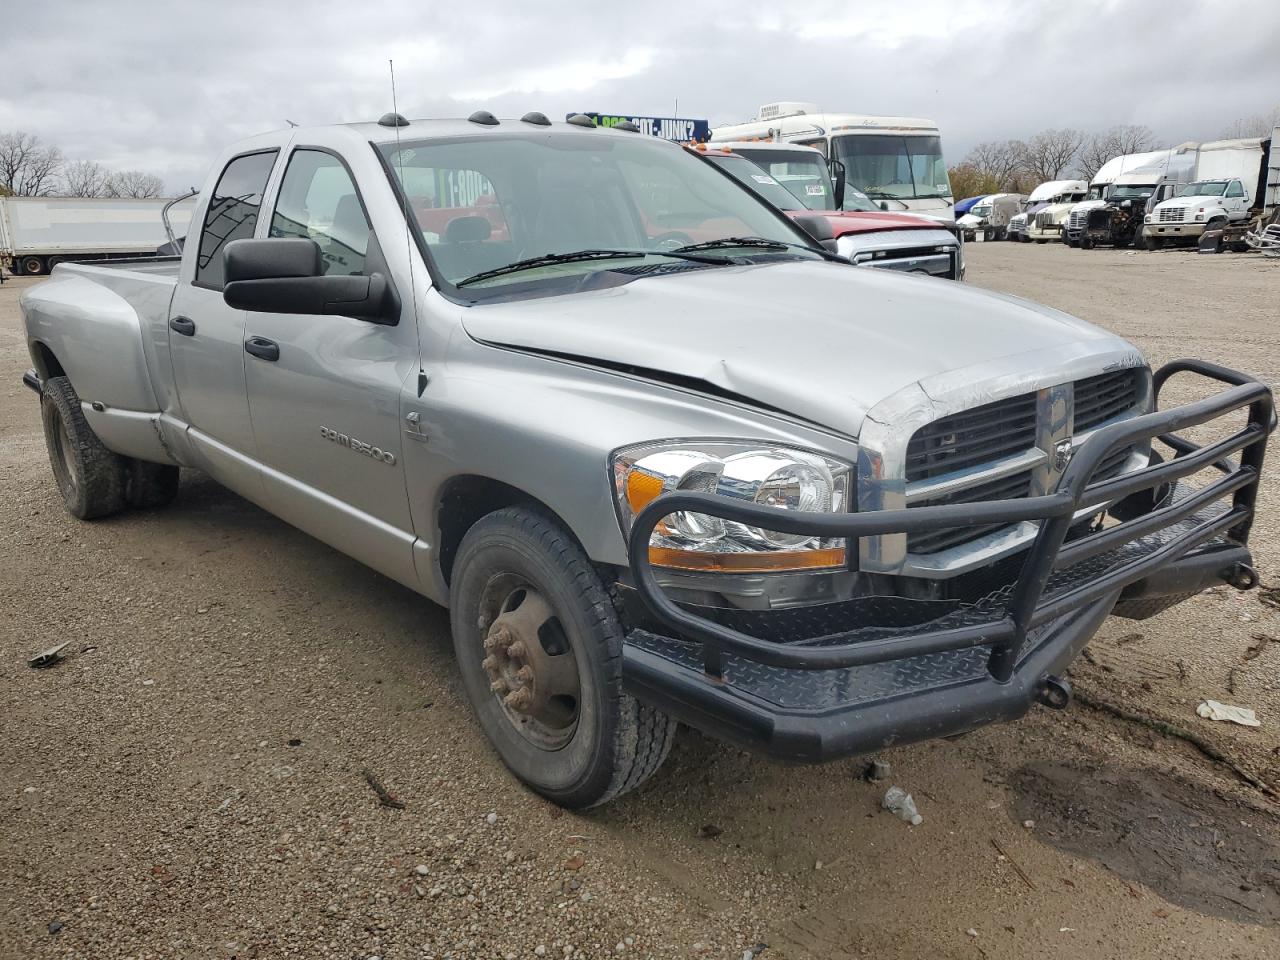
column 93, row 481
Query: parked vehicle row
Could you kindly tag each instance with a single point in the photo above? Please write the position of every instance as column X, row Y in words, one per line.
column 665, row 457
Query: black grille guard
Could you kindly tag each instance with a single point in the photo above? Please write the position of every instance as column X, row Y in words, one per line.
column 1184, row 523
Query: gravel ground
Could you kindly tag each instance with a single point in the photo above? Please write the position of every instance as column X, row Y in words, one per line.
column 190, row 782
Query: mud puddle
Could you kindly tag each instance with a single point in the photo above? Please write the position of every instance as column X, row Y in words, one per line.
column 1193, row 848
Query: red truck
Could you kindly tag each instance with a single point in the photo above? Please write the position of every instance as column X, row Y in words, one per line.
column 797, row 180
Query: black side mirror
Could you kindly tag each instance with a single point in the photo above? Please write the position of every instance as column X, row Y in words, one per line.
column 285, row 275
column 838, row 181
column 816, row 226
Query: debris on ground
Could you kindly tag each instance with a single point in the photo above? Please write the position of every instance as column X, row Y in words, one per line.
column 384, row 798
column 47, row 658
column 55, row 927
column 709, row 831
column 1260, row 641
column 1213, row 710
column 903, row 804
column 877, row 770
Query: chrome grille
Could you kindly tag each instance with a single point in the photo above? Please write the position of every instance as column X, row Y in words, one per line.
column 1045, row 221
column 1171, row 214
column 972, row 437
column 1100, row 398
column 968, row 455
column 1077, row 219
column 1003, row 488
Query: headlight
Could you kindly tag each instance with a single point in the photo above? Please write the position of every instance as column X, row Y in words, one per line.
column 779, row 477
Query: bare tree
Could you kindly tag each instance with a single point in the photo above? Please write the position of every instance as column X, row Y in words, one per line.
column 85, row 178
column 1259, row 125
column 1096, row 151
column 1000, row 161
column 1134, row 138
column 27, row 167
column 1051, row 152
column 135, row 184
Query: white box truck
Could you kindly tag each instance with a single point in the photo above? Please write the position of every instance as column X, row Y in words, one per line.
column 37, row 233
column 1234, row 185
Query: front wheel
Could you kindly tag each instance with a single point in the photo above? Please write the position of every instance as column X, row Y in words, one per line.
column 32, row 266
column 539, row 646
column 90, row 477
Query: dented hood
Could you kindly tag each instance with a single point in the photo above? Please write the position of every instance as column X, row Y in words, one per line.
column 818, row 340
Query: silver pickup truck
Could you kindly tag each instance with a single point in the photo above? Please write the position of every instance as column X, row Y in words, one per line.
column 665, row 458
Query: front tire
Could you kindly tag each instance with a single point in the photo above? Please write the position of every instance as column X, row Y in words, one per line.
column 90, row 477
column 539, row 646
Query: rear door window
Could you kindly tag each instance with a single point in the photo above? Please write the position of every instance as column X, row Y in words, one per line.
column 318, row 201
column 232, row 212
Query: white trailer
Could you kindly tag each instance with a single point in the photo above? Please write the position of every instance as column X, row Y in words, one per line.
column 37, row 233
column 896, row 161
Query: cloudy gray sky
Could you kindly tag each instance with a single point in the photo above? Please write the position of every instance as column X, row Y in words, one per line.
column 163, row 86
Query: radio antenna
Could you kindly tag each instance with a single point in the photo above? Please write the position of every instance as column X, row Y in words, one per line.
column 408, row 231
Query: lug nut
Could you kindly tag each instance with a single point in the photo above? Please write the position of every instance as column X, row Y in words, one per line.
column 518, row 699
column 497, row 686
column 489, row 663
column 525, row 674
column 517, row 649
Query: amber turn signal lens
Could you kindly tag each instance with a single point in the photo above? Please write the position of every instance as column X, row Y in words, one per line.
column 771, row 562
column 642, row 489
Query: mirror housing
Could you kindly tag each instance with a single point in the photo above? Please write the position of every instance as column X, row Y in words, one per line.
column 286, row 275
column 818, row 227
column 837, row 181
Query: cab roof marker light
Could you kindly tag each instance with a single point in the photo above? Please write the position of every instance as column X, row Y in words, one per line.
column 581, row 120
column 536, row 118
column 484, row 118
column 626, row 125
column 392, row 120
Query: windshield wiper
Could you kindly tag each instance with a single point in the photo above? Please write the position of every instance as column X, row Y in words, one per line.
column 584, row 256
column 762, row 242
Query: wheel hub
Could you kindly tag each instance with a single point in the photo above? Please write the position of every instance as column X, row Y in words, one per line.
column 530, row 666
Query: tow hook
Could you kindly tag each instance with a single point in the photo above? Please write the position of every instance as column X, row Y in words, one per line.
column 1055, row 692
column 1241, row 576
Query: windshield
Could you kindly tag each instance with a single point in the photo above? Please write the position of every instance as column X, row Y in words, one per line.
column 1204, row 188
column 485, row 203
column 1098, row 191
column 803, row 172
column 1133, row 191
column 888, row 167
column 759, row 182
column 981, row 211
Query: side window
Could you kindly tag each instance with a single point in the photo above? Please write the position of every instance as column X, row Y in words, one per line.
column 1235, row 189
column 319, row 202
column 232, row 213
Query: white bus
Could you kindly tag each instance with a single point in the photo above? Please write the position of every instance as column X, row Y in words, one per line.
column 896, row 161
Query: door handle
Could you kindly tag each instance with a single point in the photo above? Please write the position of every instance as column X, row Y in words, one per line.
column 262, row 348
column 183, row 325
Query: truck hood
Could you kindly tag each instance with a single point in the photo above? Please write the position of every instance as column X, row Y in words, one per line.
column 816, row 340
column 866, row 221
column 1181, row 203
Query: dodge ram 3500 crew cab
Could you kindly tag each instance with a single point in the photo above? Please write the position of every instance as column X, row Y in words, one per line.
column 664, row 458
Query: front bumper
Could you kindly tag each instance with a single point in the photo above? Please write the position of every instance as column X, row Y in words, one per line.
column 819, row 682
column 1188, row 230
column 1038, row 232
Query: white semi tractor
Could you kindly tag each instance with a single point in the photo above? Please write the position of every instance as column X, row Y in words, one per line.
column 37, row 233
column 896, row 161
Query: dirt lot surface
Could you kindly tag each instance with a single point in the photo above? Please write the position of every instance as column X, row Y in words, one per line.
column 190, row 782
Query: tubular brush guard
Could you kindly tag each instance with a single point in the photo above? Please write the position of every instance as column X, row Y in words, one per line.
column 861, row 675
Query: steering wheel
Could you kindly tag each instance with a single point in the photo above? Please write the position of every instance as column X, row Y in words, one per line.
column 670, row 240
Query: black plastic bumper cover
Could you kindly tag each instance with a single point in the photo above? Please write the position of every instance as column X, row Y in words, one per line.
column 863, row 678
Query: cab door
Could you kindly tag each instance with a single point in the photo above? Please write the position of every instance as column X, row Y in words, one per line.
column 206, row 336
column 1237, row 202
column 325, row 390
